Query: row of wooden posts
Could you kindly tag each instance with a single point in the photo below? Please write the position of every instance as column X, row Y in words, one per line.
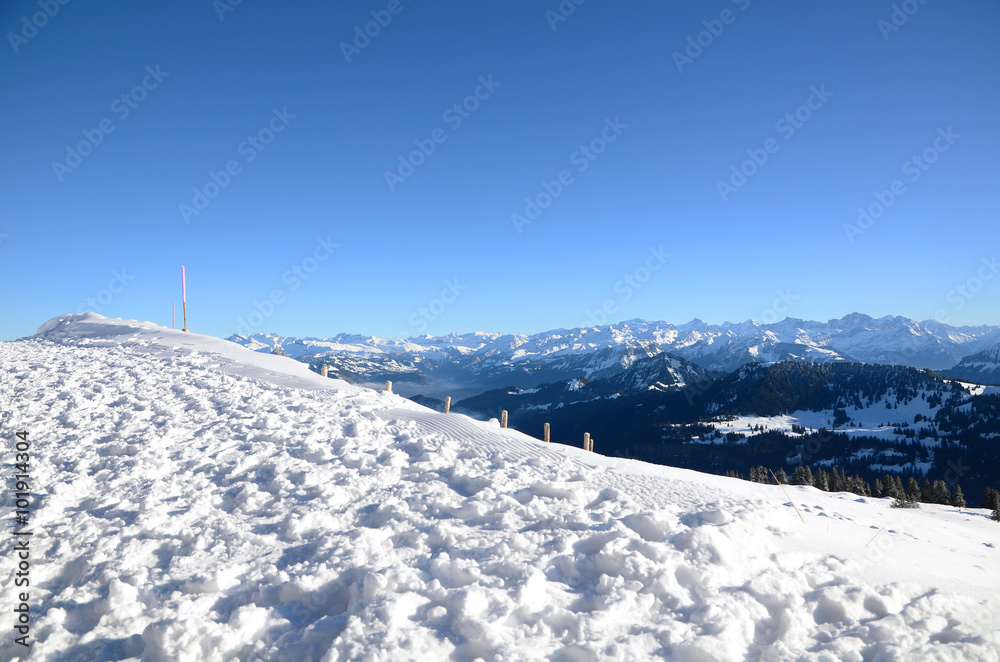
column 588, row 443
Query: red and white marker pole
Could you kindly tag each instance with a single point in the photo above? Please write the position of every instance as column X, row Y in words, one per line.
column 184, row 298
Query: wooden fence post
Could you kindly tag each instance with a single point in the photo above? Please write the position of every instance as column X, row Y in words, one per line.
column 586, row 441
column 324, row 370
column 546, row 433
column 184, row 298
column 447, row 404
column 503, row 418
column 388, row 386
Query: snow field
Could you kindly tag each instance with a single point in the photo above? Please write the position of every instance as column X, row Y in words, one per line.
column 868, row 419
column 202, row 502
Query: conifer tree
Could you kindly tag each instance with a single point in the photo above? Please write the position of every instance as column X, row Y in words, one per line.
column 926, row 491
column 991, row 499
column 877, row 489
column 798, row 476
column 820, row 480
column 957, row 498
column 940, row 492
column 904, row 502
column 910, row 498
column 836, row 485
column 782, row 476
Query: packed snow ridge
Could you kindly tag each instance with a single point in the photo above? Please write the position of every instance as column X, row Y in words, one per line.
column 194, row 500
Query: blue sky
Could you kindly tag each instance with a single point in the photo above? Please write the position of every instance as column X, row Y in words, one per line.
column 307, row 235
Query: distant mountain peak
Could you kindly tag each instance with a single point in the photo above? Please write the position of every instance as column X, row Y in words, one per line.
column 855, row 319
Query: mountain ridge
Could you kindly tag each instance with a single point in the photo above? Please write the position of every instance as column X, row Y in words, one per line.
column 982, row 367
column 486, row 360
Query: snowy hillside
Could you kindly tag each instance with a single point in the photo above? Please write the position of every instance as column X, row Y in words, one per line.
column 662, row 372
column 195, row 500
column 868, row 418
column 982, row 367
column 482, row 361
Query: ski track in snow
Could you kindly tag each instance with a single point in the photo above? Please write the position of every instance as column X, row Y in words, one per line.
column 191, row 505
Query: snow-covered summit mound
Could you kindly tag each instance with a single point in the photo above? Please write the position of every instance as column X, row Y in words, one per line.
column 193, row 500
column 146, row 338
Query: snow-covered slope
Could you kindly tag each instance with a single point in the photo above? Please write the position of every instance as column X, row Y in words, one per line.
column 981, row 367
column 193, row 500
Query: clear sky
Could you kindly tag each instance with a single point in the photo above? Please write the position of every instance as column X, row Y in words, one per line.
column 501, row 166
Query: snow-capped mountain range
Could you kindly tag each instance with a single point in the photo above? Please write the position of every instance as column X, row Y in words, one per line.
column 479, row 361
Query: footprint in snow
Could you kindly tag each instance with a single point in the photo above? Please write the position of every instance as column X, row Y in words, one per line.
column 715, row 516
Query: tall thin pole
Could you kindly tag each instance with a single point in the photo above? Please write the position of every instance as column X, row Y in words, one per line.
column 184, row 298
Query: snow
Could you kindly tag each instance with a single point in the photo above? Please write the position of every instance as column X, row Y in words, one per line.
column 979, row 389
column 869, row 420
column 195, row 500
